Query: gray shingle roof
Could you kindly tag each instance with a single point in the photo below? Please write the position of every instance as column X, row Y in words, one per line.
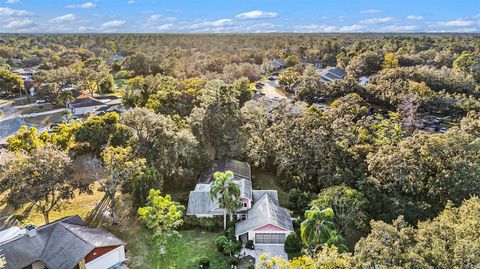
column 265, row 211
column 257, row 194
column 239, row 169
column 200, row 203
column 86, row 102
column 60, row 245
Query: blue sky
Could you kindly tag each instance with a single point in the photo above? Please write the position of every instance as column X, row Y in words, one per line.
column 239, row 16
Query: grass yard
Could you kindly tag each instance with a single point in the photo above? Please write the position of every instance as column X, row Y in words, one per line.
column 46, row 120
column 81, row 205
column 35, row 109
column 181, row 252
column 263, row 180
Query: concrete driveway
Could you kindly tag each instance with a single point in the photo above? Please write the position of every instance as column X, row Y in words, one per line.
column 271, row 90
column 270, row 250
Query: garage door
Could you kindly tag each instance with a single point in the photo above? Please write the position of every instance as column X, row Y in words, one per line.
column 269, row 238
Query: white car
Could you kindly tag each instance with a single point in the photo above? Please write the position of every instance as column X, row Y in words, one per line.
column 38, row 102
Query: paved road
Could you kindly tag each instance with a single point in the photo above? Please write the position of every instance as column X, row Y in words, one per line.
column 11, row 121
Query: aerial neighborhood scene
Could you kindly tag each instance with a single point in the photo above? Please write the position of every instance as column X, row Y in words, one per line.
column 161, row 134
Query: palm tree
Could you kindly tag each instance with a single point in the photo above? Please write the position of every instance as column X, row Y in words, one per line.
column 228, row 193
column 318, row 228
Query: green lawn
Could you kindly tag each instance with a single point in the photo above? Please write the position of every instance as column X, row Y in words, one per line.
column 263, row 180
column 46, row 120
column 181, row 252
column 36, row 109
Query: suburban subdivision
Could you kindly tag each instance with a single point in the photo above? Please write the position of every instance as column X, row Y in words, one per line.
column 239, row 134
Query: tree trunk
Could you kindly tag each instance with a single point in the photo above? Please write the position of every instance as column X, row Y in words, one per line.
column 112, row 208
column 45, row 216
column 224, row 219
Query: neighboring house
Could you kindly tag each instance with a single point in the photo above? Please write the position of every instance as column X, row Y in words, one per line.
column 363, row 80
column 116, row 58
column 25, row 73
column 84, row 105
column 64, row 244
column 261, row 217
column 16, row 61
column 277, row 64
column 315, row 62
column 331, row 74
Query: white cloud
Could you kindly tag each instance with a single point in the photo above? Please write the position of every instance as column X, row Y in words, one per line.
column 112, row 24
column 315, row 28
column 456, row 23
column 370, row 11
column 12, row 1
column 352, row 28
column 131, row 2
column 207, row 24
column 414, row 17
column 399, row 28
column 86, row 5
column 19, row 24
column 257, row 14
column 377, row 20
column 166, row 27
column 154, row 17
column 8, row 12
column 65, row 18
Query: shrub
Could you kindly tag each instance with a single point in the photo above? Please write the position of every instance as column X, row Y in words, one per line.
column 209, row 224
column 220, row 242
column 249, row 244
column 234, row 261
column 124, row 74
column 204, row 262
column 250, row 266
column 293, row 243
column 230, row 232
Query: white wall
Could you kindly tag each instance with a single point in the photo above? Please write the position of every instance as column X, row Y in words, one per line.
column 85, row 110
column 107, row 260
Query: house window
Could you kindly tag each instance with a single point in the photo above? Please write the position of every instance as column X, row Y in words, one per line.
column 245, row 204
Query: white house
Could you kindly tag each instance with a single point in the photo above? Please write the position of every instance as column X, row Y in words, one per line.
column 82, row 106
column 64, row 244
column 261, row 217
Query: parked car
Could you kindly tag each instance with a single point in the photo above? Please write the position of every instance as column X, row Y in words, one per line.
column 38, row 102
column 272, row 78
column 437, row 120
column 443, row 129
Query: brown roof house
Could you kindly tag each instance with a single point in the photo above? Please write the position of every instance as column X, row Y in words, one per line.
column 64, row 244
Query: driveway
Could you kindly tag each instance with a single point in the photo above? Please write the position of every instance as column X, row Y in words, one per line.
column 271, row 90
column 270, row 250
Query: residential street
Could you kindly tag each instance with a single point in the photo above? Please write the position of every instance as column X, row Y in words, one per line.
column 11, row 121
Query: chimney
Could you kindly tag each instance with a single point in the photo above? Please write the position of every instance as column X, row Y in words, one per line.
column 31, row 230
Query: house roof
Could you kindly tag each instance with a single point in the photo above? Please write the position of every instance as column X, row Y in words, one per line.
column 332, row 73
column 257, row 194
column 239, row 169
column 86, row 102
column 60, row 245
column 265, row 211
column 200, row 203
